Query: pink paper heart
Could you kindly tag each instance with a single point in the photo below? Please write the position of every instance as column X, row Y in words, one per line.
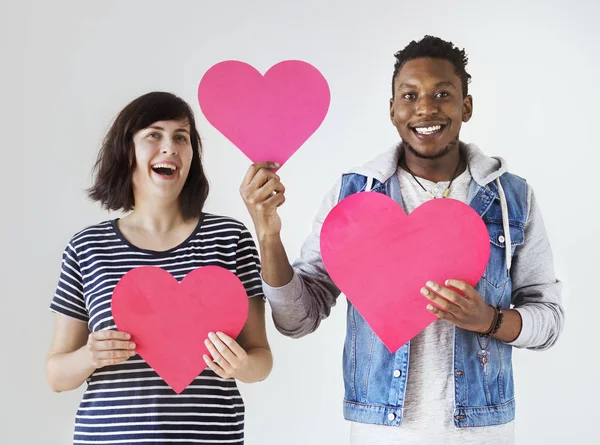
column 267, row 117
column 169, row 321
column 380, row 258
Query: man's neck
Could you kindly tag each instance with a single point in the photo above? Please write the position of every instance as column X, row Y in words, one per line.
column 434, row 170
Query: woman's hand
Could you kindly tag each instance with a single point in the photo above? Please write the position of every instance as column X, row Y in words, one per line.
column 228, row 358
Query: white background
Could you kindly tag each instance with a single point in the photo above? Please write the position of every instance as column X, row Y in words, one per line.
column 68, row 67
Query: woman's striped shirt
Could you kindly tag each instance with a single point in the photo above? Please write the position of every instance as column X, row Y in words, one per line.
column 129, row 403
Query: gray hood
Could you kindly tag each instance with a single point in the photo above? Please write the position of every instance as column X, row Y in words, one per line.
column 484, row 169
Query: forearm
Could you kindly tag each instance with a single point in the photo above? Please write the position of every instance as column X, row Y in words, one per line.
column 66, row 371
column 276, row 268
column 510, row 327
column 260, row 363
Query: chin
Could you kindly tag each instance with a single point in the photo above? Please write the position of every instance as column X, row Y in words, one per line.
column 437, row 151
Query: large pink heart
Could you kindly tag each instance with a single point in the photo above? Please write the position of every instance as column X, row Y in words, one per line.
column 380, row 258
column 169, row 321
column 267, row 117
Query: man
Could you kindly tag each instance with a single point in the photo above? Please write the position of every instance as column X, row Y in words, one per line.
column 453, row 382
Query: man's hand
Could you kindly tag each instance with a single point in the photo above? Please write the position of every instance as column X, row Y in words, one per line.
column 263, row 192
column 465, row 309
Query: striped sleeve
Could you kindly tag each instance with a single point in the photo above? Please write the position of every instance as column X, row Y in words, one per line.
column 248, row 265
column 68, row 298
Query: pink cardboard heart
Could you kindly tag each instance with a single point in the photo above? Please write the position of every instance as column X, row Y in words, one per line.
column 380, row 258
column 169, row 321
column 267, row 117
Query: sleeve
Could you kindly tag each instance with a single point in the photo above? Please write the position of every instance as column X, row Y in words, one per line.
column 248, row 265
column 299, row 306
column 68, row 299
column 536, row 292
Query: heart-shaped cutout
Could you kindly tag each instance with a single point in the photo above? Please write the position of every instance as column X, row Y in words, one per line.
column 169, row 321
column 267, row 117
column 380, row 258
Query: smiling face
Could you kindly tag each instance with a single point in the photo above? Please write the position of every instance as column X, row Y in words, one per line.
column 163, row 155
column 428, row 107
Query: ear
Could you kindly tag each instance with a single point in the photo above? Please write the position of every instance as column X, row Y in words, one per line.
column 131, row 156
column 467, row 108
column 392, row 109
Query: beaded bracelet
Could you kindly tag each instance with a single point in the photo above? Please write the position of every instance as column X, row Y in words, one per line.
column 495, row 326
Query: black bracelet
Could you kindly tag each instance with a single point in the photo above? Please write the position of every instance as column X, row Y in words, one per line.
column 496, row 323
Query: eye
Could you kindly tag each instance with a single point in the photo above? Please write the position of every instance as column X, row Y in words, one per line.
column 442, row 94
column 409, row 96
column 181, row 138
column 154, row 135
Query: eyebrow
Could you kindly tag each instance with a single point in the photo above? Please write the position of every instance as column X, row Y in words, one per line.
column 179, row 130
column 445, row 83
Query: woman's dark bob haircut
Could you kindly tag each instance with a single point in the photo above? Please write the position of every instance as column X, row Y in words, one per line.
column 114, row 167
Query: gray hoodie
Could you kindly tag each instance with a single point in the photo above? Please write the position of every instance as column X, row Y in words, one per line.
column 299, row 306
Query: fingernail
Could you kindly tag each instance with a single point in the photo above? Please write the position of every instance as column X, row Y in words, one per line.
column 430, row 284
column 132, row 345
column 429, row 307
column 207, row 343
column 447, row 282
column 211, row 335
column 131, row 352
column 127, row 336
column 424, row 291
column 276, row 164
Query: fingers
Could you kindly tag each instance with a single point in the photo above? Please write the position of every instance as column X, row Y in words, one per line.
column 108, row 345
column 215, row 368
column 231, row 344
column 110, row 335
column 113, row 355
column 466, row 289
column 228, row 357
column 272, row 187
column 276, row 200
column 263, row 179
column 109, row 348
column 256, row 168
column 444, row 292
column 442, row 297
column 220, row 352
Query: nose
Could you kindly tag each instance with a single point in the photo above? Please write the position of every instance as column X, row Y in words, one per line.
column 426, row 106
column 168, row 147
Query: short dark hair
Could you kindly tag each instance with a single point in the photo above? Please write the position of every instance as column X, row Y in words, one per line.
column 434, row 47
column 114, row 167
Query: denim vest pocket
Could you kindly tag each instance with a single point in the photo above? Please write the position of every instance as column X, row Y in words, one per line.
column 495, row 273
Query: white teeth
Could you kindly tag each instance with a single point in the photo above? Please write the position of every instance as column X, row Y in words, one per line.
column 169, row 166
column 428, row 130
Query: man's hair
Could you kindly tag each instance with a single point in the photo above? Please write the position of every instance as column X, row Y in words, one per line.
column 436, row 48
column 113, row 171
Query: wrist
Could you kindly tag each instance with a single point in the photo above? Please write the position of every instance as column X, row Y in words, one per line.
column 489, row 321
column 267, row 238
column 85, row 359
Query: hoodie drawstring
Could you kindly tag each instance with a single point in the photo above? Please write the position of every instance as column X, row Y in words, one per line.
column 505, row 226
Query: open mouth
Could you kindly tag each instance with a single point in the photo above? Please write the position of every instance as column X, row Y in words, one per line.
column 164, row 170
column 428, row 130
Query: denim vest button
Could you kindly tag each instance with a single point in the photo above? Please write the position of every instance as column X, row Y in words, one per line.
column 391, row 417
column 397, row 373
column 501, row 239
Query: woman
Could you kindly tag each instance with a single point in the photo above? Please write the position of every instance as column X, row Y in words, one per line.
column 149, row 165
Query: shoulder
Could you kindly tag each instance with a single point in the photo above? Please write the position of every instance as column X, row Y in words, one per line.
column 212, row 223
column 91, row 233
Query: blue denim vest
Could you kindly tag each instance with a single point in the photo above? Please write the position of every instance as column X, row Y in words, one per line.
column 375, row 379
